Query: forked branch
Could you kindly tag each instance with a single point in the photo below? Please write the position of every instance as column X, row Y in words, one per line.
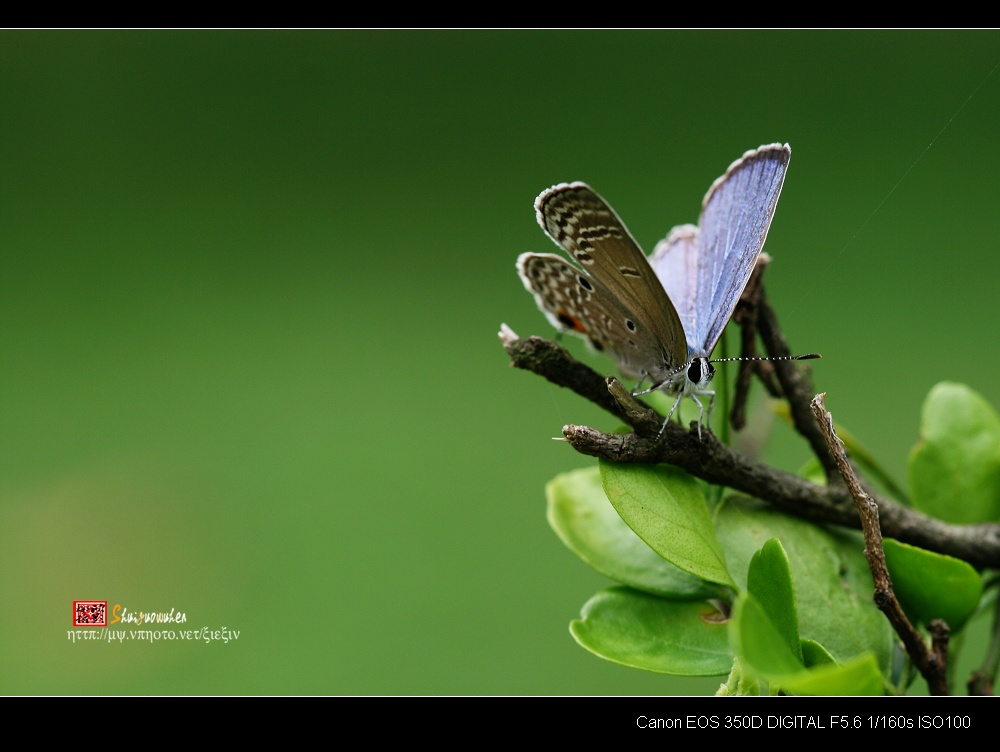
column 714, row 462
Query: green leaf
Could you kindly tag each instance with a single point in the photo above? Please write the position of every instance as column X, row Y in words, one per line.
column 758, row 643
column 643, row 631
column 954, row 468
column 769, row 581
column 760, row 647
column 932, row 586
column 666, row 508
column 831, row 579
column 583, row 518
column 858, row 677
column 814, row 654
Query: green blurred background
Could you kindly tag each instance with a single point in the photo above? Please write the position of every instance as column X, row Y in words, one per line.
column 250, row 292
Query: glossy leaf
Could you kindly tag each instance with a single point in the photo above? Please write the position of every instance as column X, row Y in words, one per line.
column 814, row 654
column 583, row 518
column 758, row 643
column 832, row 582
column 761, row 648
column 769, row 581
column 645, row 631
column 857, row 677
column 931, row 585
column 954, row 469
column 666, row 508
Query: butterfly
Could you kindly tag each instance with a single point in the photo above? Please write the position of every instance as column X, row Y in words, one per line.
column 659, row 318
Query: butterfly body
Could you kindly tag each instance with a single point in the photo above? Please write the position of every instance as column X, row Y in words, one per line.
column 659, row 318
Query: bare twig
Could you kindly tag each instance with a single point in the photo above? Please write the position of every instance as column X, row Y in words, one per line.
column 796, row 385
column 931, row 662
column 548, row 359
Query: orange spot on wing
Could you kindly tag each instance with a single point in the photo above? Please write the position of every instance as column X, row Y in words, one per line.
column 571, row 322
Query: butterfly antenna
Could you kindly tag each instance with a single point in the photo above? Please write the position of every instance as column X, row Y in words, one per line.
column 810, row 356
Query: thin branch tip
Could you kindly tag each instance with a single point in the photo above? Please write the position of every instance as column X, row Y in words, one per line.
column 507, row 335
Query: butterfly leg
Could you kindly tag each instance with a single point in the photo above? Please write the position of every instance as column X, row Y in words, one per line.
column 677, row 402
column 635, row 389
column 701, row 408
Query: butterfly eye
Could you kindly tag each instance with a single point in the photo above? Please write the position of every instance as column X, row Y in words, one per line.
column 694, row 372
column 700, row 371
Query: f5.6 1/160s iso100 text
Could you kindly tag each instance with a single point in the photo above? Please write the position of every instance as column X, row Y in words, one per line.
column 898, row 721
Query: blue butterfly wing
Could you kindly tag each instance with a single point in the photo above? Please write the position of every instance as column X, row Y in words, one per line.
column 736, row 215
column 704, row 272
